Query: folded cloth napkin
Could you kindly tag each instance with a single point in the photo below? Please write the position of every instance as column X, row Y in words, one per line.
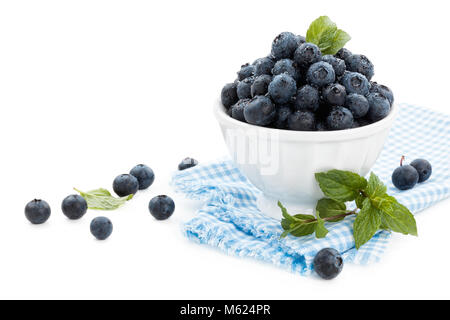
column 231, row 221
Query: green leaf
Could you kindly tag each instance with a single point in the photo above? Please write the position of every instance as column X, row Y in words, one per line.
column 366, row 224
column 324, row 33
column 303, row 229
column 101, row 199
column 304, row 217
column 400, row 220
column 341, row 185
column 375, row 187
column 321, row 231
column 329, row 208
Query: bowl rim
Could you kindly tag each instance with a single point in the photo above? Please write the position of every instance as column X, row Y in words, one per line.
column 320, row 136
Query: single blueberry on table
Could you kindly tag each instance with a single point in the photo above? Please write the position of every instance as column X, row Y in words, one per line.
column 74, row 206
column 101, row 228
column 260, row 111
column 282, row 116
column 405, row 177
column 423, row 168
column 340, row 118
column 307, row 99
column 284, row 45
column 320, row 74
column 161, row 207
column 361, row 64
column 385, row 91
column 355, row 83
column 264, row 66
column 334, row 94
column 237, row 111
column 307, row 54
column 37, row 211
column 260, row 86
column 282, row 88
column 244, row 88
column 144, row 175
column 229, row 95
column 247, row 70
column 302, row 121
column 328, row 263
column 125, row 184
column 337, row 64
column 286, row 66
column 357, row 104
column 187, row 163
column 379, row 106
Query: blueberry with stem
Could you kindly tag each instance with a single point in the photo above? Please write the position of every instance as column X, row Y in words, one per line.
column 405, row 177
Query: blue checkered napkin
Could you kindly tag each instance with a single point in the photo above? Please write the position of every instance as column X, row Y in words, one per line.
column 231, row 221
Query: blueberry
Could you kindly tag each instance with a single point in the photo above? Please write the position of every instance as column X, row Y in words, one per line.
column 302, row 121
column 340, row 118
column 321, row 126
column 357, row 104
column 344, row 54
column 284, row 45
column 361, row 64
column 385, row 91
column 282, row 116
column 101, row 228
column 337, row 64
column 229, row 95
column 328, row 263
column 423, row 168
column 379, row 106
column 74, row 206
column 144, row 175
column 355, row 83
column 300, row 40
column 161, row 207
column 237, row 111
column 307, row 99
column 362, row 122
column 405, row 177
column 187, row 163
column 260, row 111
column 307, row 54
column 264, row 66
column 334, row 94
column 37, row 211
column 261, row 85
column 286, row 66
column 247, row 70
column 125, row 184
column 244, row 88
column 320, row 74
column 282, row 88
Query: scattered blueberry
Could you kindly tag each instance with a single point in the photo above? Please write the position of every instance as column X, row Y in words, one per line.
column 379, row 106
column 405, row 177
column 237, row 111
column 261, row 85
column 385, row 91
column 423, row 168
column 247, row 70
column 334, row 94
column 161, row 207
column 37, row 211
column 229, row 95
column 282, row 88
column 320, row 74
column 282, row 116
column 125, row 184
column 302, row 121
column 328, row 263
column 307, row 54
column 361, row 64
column 74, row 206
column 357, row 104
column 355, row 83
column 286, row 66
column 144, row 175
column 187, row 163
column 340, row 118
column 101, row 228
column 337, row 64
column 264, row 66
column 244, row 88
column 307, row 99
column 284, row 45
column 260, row 111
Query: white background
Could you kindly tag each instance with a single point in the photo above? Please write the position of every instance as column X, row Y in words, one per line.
column 90, row 88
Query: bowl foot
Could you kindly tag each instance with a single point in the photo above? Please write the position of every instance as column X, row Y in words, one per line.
column 269, row 206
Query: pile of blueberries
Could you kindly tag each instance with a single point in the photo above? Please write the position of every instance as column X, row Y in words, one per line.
column 75, row 206
column 298, row 88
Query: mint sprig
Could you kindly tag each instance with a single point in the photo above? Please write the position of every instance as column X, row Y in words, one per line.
column 102, row 199
column 325, row 34
column 376, row 210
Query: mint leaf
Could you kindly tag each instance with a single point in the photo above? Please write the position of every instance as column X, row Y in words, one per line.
column 375, row 187
column 341, row 185
column 101, row 199
column 303, row 229
column 400, row 220
column 366, row 224
column 304, row 217
column 327, row 208
column 321, row 231
column 324, row 33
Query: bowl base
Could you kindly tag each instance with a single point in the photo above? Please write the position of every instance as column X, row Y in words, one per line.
column 269, row 207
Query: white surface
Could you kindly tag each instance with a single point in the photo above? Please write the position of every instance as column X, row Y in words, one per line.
column 90, row 88
column 282, row 163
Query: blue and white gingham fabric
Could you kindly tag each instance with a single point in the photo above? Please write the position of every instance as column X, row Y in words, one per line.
column 231, row 221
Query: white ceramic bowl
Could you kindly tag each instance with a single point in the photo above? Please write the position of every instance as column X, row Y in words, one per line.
column 282, row 163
